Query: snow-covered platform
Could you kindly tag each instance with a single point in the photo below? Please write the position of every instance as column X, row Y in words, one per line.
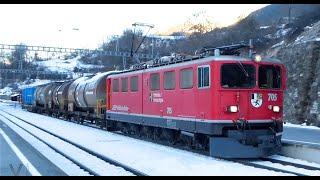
column 301, row 142
column 19, row 158
column 300, row 133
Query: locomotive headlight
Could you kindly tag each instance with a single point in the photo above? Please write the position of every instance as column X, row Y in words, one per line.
column 257, row 58
column 233, row 109
column 276, row 109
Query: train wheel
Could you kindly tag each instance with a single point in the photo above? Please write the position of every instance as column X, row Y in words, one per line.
column 110, row 125
column 147, row 132
column 171, row 136
column 139, row 134
column 157, row 134
column 133, row 129
column 123, row 128
column 201, row 142
column 102, row 123
column 78, row 120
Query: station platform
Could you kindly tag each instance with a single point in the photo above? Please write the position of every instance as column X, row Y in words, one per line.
column 18, row 158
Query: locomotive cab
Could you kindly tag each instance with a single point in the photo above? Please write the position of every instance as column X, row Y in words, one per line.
column 251, row 96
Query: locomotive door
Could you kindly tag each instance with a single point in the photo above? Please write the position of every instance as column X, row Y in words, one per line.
column 108, row 95
column 152, row 96
column 231, row 97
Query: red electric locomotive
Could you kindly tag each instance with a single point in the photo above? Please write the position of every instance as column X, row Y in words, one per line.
column 228, row 104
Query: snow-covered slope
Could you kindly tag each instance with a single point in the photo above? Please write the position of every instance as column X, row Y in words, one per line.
column 35, row 82
column 60, row 65
column 311, row 33
column 7, row 91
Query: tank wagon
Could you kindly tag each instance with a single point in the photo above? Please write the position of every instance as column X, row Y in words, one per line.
column 80, row 99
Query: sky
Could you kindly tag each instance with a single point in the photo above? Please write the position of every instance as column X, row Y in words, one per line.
column 89, row 25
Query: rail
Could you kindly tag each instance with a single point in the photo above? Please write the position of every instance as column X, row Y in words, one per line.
column 100, row 156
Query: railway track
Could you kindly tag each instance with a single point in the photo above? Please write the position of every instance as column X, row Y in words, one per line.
column 263, row 163
column 281, row 166
column 83, row 166
column 289, row 163
column 252, row 163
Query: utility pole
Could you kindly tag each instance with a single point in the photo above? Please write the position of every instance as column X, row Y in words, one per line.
column 20, row 58
column 117, row 44
column 124, row 62
column 152, row 47
column 131, row 53
column 20, row 62
column 134, row 25
column 289, row 16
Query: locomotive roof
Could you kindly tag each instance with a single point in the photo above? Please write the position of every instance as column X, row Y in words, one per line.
column 198, row 61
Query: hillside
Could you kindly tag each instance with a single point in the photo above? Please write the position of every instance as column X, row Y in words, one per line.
column 302, row 59
column 280, row 12
column 68, row 65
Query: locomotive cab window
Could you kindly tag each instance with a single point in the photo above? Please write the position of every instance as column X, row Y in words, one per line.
column 169, row 80
column 237, row 76
column 269, row 77
column 186, row 78
column 124, row 84
column 134, row 83
column 203, row 76
column 115, row 85
column 155, row 81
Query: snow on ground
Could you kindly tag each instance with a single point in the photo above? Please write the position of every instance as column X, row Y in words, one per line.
column 264, row 27
column 301, row 126
column 60, row 65
column 299, row 38
column 97, row 165
column 278, row 44
column 311, row 33
column 150, row 158
column 68, row 167
column 282, row 32
column 167, row 37
column 7, row 91
column 308, row 27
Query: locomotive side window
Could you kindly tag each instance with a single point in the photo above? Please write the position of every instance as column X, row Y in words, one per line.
column 169, row 80
column 124, row 84
column 115, row 85
column 269, row 77
column 155, row 81
column 203, row 76
column 237, row 76
column 186, row 78
column 134, row 83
